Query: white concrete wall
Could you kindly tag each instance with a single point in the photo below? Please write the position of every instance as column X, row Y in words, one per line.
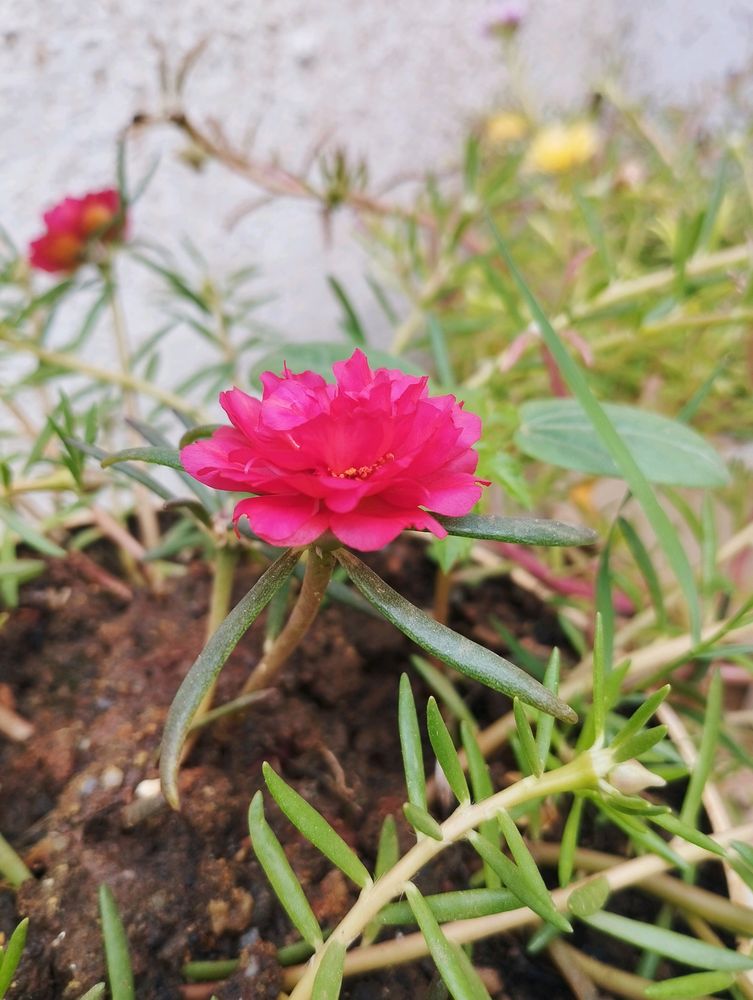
column 395, row 82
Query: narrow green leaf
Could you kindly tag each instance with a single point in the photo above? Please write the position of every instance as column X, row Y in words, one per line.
column 168, row 457
column 422, row 821
column 617, row 449
column 643, row 561
column 523, row 530
column 329, row 976
column 209, row 970
column 599, row 710
column 21, row 570
column 10, row 958
column 670, row 944
column 745, row 851
column 641, row 716
column 410, row 744
column 445, row 752
column 460, row 979
column 529, row 894
column 481, row 784
column 281, row 876
column 197, row 434
column 545, row 722
column 95, row 993
column 463, row 904
column 462, row 653
column 520, row 853
column 315, row 828
column 29, row 534
column 444, row 689
column 569, row 841
column 438, row 343
column 589, row 897
column 527, row 742
column 350, row 322
column 702, row 768
column 388, row 849
column 117, row 958
column 676, row 826
column 639, row 744
column 12, row 867
column 124, row 468
column 208, row 664
column 699, row 984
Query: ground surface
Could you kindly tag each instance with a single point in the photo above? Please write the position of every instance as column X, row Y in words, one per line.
column 96, row 674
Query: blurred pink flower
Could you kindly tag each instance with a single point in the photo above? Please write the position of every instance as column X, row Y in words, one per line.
column 363, row 458
column 71, row 228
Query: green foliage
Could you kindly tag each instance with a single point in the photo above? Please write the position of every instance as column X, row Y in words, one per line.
column 11, row 955
column 117, row 957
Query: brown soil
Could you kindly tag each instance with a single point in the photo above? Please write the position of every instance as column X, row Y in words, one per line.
column 96, row 674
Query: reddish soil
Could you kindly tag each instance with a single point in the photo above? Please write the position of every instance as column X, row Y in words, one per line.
column 95, row 675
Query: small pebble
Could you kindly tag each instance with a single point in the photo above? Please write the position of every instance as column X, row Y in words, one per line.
column 149, row 788
column 112, row 777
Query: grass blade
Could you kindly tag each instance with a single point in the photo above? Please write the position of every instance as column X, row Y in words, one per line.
column 701, row 770
column 12, row 955
column 117, row 958
column 620, row 453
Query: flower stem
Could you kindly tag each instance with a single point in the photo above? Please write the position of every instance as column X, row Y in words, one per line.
column 318, row 572
column 581, row 773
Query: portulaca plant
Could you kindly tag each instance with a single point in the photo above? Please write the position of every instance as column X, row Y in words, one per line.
column 339, row 466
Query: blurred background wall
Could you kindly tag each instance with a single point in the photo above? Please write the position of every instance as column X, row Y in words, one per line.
column 398, row 84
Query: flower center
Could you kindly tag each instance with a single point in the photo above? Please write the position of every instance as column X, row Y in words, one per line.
column 363, row 471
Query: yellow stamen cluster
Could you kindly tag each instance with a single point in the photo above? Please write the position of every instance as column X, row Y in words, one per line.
column 363, row 471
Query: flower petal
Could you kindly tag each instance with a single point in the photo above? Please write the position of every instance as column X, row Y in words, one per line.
column 283, row 520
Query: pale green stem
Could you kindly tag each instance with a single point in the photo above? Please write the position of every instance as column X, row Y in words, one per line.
column 413, row 946
column 318, row 572
column 584, row 772
column 77, row 366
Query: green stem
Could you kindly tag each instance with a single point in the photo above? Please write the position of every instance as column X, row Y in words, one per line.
column 581, row 773
column 315, row 579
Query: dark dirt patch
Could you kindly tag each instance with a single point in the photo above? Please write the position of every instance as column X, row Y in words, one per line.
column 96, row 675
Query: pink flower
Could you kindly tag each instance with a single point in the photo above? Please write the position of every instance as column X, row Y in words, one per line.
column 73, row 226
column 363, row 458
